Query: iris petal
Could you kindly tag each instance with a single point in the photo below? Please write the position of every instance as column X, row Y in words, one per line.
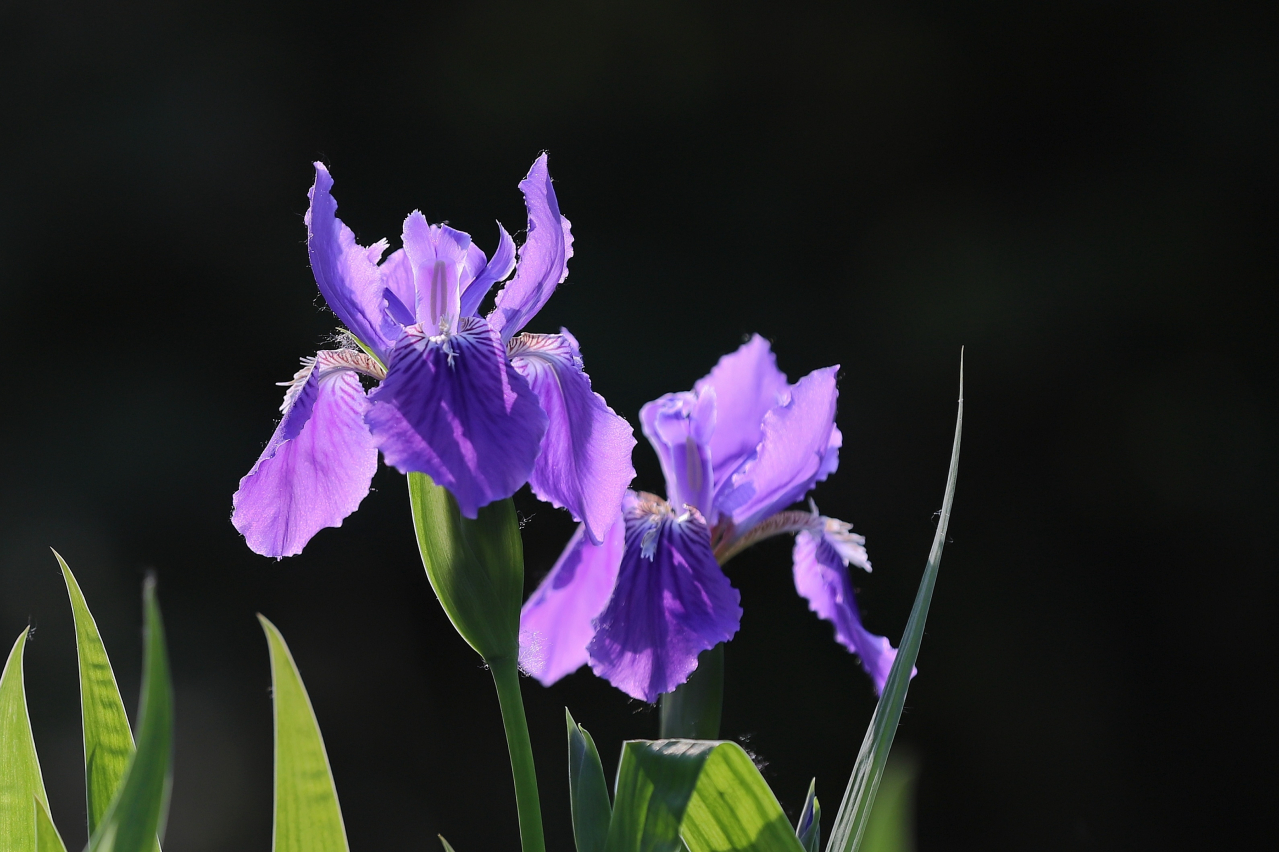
column 747, row 384
column 672, row 601
column 454, row 408
column 497, row 268
column 316, row 468
column 346, row 272
column 437, row 254
column 822, row 576
column 585, row 460
column 681, row 426
column 557, row 622
column 543, row 257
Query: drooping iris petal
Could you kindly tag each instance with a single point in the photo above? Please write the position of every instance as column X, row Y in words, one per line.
column 500, row 266
column 543, row 257
column 317, row 466
column 747, row 384
column 454, row 408
column 345, row 271
column 792, row 455
column 822, row 576
column 557, row 621
column 681, row 426
column 585, row 462
column 672, row 601
column 437, row 254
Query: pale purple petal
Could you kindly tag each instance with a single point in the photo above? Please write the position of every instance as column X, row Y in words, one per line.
column 543, row 257
column 556, row 623
column 437, row 254
column 401, row 299
column 585, row 462
column 497, row 269
column 747, row 384
column 454, row 408
column 822, row 576
column 681, row 426
column 345, row 271
column 672, row 602
column 793, row 455
column 317, row 466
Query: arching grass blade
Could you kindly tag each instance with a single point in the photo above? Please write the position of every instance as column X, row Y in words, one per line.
column 855, row 809
column 307, row 815
column 21, row 785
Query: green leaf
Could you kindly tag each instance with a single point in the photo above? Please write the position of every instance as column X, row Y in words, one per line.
column 655, row 781
column 859, row 798
column 20, row 782
column 307, row 815
column 891, row 826
column 809, row 828
column 588, row 791
column 476, row 567
column 137, row 813
column 108, row 742
column 447, row 847
column 733, row 808
column 47, row 837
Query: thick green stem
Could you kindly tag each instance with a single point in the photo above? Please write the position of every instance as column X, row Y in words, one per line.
column 693, row 710
column 507, row 678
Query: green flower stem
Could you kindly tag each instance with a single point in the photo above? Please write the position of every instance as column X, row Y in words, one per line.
column 507, row 678
column 693, row 710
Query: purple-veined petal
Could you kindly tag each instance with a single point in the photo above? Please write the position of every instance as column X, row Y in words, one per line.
column 317, row 466
column 585, row 461
column 672, row 601
column 497, row 269
column 681, row 426
column 822, row 576
column 557, row 621
column 453, row 407
column 346, row 272
column 543, row 257
column 793, row 454
column 747, row 384
column 437, row 254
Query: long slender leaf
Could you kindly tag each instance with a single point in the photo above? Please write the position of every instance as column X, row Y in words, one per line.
column 47, row 837
column 859, row 798
column 588, row 791
column 445, row 844
column 307, row 815
column 21, row 784
column 655, row 781
column 809, row 829
column 139, row 809
column 733, row 808
column 108, row 741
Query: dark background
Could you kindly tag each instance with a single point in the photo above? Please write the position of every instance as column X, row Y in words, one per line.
column 1082, row 194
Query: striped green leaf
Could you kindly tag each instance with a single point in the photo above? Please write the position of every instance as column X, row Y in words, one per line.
column 307, row 815
column 859, row 797
column 733, row 808
column 108, row 741
column 21, row 785
column 47, row 837
column 137, row 812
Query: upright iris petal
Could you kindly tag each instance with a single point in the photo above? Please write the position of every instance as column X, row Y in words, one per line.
column 747, row 384
column 680, row 426
column 557, row 623
column 671, row 601
column 317, row 467
column 454, row 408
column 585, row 460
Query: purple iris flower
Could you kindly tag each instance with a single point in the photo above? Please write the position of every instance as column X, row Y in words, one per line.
column 738, row 450
column 469, row 400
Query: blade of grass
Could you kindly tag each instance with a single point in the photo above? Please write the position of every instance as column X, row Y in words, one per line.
column 108, row 741
column 20, row 781
column 47, row 837
column 137, row 813
column 307, row 815
column 859, row 797
column 588, row 791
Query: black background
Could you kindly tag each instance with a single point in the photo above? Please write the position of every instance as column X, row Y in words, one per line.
column 1081, row 193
